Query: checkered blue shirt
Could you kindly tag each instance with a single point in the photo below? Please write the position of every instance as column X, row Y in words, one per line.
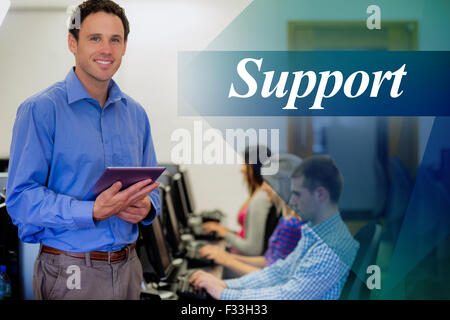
column 316, row 269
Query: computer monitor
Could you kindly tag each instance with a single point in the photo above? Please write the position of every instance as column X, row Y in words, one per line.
column 177, row 183
column 187, row 186
column 3, row 181
column 164, row 179
column 171, row 226
column 179, row 203
column 171, row 168
column 162, row 247
column 4, row 165
column 156, row 250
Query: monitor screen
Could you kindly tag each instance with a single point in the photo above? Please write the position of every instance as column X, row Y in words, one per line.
column 164, row 181
column 161, row 203
column 177, row 201
column 178, row 186
column 163, row 253
column 155, row 258
column 171, row 225
column 4, row 165
column 187, row 186
column 3, row 181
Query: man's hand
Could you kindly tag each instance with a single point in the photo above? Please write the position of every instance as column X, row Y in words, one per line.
column 129, row 201
column 208, row 250
column 217, row 227
column 219, row 256
column 207, row 281
column 137, row 211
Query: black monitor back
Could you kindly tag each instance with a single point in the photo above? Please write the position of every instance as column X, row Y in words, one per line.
column 153, row 252
column 179, row 203
column 171, row 225
column 187, row 187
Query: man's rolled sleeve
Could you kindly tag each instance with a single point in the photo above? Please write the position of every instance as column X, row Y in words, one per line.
column 234, row 283
column 230, row 294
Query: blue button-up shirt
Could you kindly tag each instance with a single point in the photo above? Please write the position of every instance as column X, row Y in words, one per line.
column 317, row 269
column 62, row 142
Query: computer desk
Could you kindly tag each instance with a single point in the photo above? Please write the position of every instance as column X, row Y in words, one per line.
column 216, row 270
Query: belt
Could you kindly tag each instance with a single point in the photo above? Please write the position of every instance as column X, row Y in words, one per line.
column 111, row 257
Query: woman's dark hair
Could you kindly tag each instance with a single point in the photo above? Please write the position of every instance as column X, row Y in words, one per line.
column 254, row 158
column 94, row 6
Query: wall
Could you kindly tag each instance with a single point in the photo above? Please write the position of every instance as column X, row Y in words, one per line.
column 265, row 25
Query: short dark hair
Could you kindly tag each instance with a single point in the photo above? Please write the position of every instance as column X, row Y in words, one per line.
column 94, row 6
column 321, row 171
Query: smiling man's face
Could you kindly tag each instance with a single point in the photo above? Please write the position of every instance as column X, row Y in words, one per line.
column 100, row 47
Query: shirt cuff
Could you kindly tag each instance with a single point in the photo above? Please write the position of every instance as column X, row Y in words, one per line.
column 233, row 283
column 83, row 214
column 150, row 216
column 230, row 294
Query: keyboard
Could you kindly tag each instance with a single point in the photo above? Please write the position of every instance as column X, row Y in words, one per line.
column 196, row 228
column 194, row 259
column 214, row 215
column 185, row 290
column 200, row 234
column 199, row 262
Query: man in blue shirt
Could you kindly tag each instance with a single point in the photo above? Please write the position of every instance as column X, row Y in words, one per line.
column 63, row 139
column 319, row 265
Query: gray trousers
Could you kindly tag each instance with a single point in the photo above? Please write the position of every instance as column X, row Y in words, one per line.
column 60, row 277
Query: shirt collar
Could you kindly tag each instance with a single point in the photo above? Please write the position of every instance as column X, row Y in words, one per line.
column 76, row 90
column 325, row 226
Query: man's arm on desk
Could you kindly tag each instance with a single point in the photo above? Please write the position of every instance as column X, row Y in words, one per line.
column 210, row 283
column 232, row 261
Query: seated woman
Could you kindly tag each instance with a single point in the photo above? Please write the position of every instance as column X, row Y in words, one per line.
column 285, row 236
column 253, row 213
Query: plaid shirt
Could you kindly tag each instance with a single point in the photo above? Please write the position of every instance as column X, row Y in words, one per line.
column 316, row 269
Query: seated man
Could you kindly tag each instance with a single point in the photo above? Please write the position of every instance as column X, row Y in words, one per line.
column 319, row 265
column 282, row 242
